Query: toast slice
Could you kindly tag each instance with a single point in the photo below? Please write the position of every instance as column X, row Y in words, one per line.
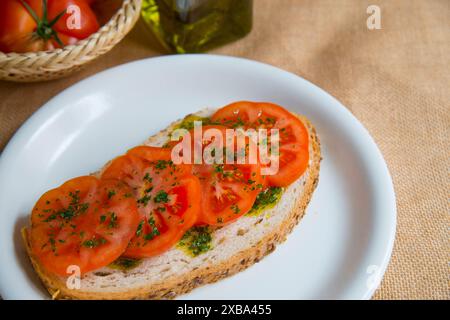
column 234, row 247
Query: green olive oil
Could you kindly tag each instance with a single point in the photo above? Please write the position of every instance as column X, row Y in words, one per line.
column 187, row 26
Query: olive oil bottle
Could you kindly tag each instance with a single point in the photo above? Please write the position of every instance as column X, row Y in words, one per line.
column 185, row 26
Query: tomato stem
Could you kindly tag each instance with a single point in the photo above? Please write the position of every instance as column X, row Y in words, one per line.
column 45, row 28
column 55, row 20
column 44, row 10
column 30, row 11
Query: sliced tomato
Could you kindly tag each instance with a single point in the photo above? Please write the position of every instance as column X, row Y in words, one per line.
column 85, row 222
column 229, row 189
column 293, row 135
column 168, row 198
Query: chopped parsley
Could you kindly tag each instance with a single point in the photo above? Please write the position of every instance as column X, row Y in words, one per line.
column 238, row 123
column 154, row 232
column 266, row 199
column 148, row 190
column 50, row 218
column 74, row 209
column 75, row 197
column 111, row 193
column 113, row 220
column 144, row 200
column 235, row 209
column 196, row 240
column 139, row 228
column 93, row 243
column 67, row 214
column 53, row 244
column 147, row 177
column 161, row 197
column 123, row 263
column 162, row 164
column 270, row 120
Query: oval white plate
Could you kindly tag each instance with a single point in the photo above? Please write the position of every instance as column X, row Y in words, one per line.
column 341, row 248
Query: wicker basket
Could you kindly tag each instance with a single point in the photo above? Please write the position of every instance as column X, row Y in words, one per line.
column 47, row 65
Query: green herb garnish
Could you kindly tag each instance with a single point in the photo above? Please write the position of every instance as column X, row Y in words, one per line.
column 266, row 199
column 147, row 177
column 124, row 263
column 161, row 197
column 162, row 164
column 113, row 220
column 235, row 209
column 111, row 193
column 196, row 240
column 144, row 200
column 139, row 228
column 154, row 232
column 93, row 243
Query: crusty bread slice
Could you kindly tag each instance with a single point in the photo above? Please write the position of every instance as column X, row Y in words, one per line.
column 234, row 247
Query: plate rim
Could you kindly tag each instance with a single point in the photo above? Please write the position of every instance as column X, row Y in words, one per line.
column 46, row 110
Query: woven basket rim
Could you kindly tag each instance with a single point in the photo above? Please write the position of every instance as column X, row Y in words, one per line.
column 105, row 28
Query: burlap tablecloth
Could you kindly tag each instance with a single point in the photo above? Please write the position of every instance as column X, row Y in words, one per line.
column 395, row 80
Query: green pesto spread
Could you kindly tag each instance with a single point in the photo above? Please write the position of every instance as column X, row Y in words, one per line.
column 266, row 199
column 196, row 241
column 188, row 122
column 124, row 264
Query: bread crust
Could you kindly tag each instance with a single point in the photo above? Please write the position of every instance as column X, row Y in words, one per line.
column 177, row 285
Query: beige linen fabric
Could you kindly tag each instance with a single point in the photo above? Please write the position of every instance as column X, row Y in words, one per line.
column 395, row 80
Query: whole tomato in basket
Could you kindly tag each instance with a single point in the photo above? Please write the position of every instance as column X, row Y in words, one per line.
column 40, row 25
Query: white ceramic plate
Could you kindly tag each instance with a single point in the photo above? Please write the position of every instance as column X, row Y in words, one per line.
column 341, row 248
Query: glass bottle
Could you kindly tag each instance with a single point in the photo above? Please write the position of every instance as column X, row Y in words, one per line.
column 185, row 26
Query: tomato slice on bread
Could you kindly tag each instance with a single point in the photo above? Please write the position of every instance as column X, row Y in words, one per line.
column 144, row 203
column 167, row 195
column 293, row 135
column 229, row 190
column 85, row 222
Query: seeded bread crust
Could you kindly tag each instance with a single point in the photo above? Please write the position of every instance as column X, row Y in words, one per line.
column 209, row 273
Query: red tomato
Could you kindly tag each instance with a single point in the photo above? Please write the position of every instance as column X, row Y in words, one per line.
column 19, row 31
column 88, row 20
column 85, row 222
column 168, row 198
column 294, row 138
column 228, row 190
